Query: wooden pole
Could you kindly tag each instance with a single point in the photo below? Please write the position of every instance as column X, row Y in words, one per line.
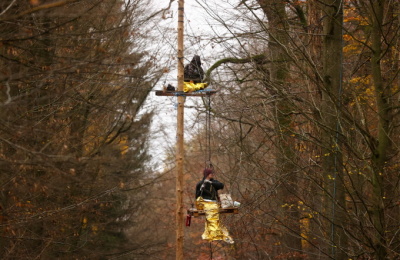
column 179, row 138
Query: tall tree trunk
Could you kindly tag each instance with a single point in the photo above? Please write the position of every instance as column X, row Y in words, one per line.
column 289, row 215
column 332, row 161
column 382, row 94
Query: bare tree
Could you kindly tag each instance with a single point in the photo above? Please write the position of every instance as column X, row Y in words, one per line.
column 336, row 102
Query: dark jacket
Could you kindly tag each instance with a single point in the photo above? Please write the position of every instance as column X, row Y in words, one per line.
column 208, row 189
column 193, row 71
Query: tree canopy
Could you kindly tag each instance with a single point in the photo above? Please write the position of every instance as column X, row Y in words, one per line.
column 304, row 129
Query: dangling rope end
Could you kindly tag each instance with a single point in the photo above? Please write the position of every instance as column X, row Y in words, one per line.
column 209, row 165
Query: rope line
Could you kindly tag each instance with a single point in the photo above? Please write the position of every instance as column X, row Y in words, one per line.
column 194, row 38
column 208, row 134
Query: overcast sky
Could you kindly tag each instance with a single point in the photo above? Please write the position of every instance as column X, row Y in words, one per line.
column 198, row 28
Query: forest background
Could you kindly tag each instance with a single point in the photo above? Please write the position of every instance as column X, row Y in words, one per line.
column 304, row 132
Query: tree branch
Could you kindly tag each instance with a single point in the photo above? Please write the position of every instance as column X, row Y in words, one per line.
column 38, row 8
column 258, row 59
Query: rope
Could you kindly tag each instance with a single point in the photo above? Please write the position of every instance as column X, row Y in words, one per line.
column 194, row 37
column 198, row 49
column 208, row 134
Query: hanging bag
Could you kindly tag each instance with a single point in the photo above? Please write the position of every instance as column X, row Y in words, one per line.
column 226, row 200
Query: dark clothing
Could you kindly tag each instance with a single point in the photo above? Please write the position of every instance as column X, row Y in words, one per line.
column 170, row 87
column 209, row 190
column 193, row 71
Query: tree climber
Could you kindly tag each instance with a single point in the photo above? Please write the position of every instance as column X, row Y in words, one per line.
column 193, row 71
column 207, row 200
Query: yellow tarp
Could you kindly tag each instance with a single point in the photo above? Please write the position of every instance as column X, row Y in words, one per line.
column 190, row 86
column 214, row 230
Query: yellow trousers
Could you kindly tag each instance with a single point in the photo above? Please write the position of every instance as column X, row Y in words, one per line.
column 214, row 230
column 190, row 86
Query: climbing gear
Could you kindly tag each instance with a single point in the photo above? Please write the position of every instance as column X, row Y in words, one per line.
column 208, row 163
column 199, row 204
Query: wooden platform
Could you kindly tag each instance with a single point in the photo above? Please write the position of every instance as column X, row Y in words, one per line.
column 199, row 93
column 196, row 213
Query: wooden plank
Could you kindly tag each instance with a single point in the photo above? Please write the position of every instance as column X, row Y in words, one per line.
column 199, row 93
column 196, row 213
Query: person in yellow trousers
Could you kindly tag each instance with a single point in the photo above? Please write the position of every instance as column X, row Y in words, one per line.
column 194, row 76
column 207, row 200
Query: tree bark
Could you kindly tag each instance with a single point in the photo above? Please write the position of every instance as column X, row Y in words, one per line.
column 332, row 158
column 379, row 159
column 289, row 215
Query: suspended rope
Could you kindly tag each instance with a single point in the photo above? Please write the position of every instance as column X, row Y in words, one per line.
column 208, row 163
column 194, row 37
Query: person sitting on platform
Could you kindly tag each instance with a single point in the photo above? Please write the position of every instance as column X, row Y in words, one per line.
column 207, row 199
column 193, row 71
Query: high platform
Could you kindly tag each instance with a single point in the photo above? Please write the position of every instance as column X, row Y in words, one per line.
column 198, row 93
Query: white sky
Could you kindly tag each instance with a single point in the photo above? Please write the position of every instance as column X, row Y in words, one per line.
column 198, row 28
